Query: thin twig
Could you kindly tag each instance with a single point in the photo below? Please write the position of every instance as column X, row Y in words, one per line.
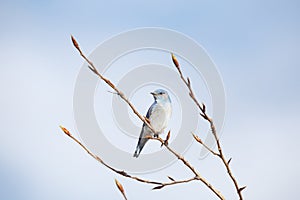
column 205, row 146
column 204, row 115
column 174, row 182
column 120, row 172
column 121, row 94
column 186, row 163
column 108, row 82
column 121, row 188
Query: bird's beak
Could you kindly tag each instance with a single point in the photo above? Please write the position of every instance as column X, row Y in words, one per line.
column 152, row 93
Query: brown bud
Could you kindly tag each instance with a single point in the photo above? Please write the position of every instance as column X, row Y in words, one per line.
column 74, row 42
column 197, row 138
column 65, row 130
column 175, row 61
column 120, row 187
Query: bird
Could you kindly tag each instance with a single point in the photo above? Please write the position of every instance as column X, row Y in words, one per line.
column 158, row 115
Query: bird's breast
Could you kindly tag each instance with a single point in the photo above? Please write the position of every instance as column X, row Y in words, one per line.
column 160, row 117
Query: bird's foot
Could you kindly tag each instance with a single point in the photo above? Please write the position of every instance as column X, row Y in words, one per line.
column 156, row 135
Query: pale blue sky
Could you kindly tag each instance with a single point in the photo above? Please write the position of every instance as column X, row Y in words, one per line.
column 255, row 45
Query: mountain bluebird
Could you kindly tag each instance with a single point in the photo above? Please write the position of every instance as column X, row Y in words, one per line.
column 158, row 114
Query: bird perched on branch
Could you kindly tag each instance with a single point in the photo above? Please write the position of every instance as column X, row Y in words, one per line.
column 158, row 116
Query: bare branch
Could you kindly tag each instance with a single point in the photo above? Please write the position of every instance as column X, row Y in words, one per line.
column 204, row 115
column 186, row 163
column 205, row 146
column 121, row 172
column 108, row 82
column 174, row 182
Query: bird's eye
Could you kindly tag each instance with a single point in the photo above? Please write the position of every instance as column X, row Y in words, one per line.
column 161, row 93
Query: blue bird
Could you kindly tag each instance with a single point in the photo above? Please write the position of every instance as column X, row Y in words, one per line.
column 159, row 115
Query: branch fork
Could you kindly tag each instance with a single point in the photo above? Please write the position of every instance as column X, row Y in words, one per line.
column 158, row 184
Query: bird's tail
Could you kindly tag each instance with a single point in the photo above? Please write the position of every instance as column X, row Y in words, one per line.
column 140, row 146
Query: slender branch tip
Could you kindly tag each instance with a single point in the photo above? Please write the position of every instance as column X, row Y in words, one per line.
column 172, row 179
column 175, row 61
column 242, row 188
column 158, row 187
column 66, row 131
column 121, row 188
column 197, row 138
column 119, row 185
column 75, row 43
column 166, row 142
column 229, row 161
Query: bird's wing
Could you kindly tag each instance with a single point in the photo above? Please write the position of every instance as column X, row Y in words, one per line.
column 144, row 132
column 150, row 110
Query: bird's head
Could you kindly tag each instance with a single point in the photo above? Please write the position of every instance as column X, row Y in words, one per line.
column 160, row 95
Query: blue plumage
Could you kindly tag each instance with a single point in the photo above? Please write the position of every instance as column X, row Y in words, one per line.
column 159, row 115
